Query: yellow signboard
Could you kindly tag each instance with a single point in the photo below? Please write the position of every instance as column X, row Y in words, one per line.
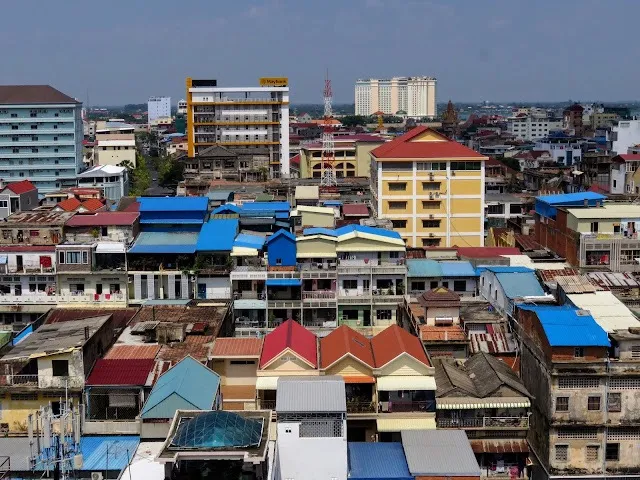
column 274, row 82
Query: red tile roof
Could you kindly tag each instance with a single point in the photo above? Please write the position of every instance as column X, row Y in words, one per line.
column 120, row 372
column 405, row 147
column 132, row 352
column 92, row 204
column 70, row 204
column 452, row 333
column 599, row 188
column 237, row 347
column 295, row 159
column 487, row 252
column 355, row 209
column 32, row 94
column 99, row 219
column 393, row 342
column 132, row 207
column 626, row 157
column 293, row 336
column 345, row 341
column 21, row 187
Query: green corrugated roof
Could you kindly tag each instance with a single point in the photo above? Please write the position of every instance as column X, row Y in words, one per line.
column 188, row 385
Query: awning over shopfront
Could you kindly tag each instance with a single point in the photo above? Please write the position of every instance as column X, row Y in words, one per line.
column 467, row 403
column 399, row 424
column 266, row 383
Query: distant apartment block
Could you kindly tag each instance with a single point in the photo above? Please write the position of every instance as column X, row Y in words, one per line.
column 532, row 126
column 158, row 107
column 182, row 107
column 246, row 120
column 41, row 135
column 407, row 96
column 115, row 148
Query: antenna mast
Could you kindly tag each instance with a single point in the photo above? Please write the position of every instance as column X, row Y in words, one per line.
column 328, row 178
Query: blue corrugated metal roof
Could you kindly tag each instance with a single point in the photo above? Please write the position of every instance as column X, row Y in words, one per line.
column 280, row 233
column 188, row 385
column 457, row 269
column 567, row 198
column 107, row 452
column 283, row 282
column 516, row 285
column 567, row 327
column 172, row 221
column 250, row 241
column 370, row 230
column 376, row 461
column 165, row 242
column 226, row 208
column 507, row 269
column 319, row 231
column 173, row 204
column 267, row 206
column 217, row 235
column 332, row 203
column 423, row 267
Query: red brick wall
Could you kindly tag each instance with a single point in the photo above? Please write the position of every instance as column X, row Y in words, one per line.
column 562, row 354
column 555, row 235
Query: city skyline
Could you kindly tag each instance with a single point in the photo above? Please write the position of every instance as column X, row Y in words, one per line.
column 501, row 51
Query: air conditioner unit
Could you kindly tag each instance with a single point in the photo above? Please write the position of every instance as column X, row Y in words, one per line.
column 453, row 173
column 431, row 215
column 96, row 475
column 431, row 234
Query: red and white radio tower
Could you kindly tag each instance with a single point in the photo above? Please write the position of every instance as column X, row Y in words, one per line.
column 328, row 146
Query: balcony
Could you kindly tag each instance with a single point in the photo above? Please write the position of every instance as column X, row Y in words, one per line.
column 19, row 380
column 42, row 381
column 284, row 303
column 375, row 296
column 498, row 423
column 95, row 298
column 249, row 272
column 326, row 270
column 373, row 266
column 28, row 299
column 408, row 406
column 30, row 269
column 319, row 295
column 357, row 406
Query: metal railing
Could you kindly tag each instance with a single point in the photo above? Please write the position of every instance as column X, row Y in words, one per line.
column 25, row 380
column 319, row 295
column 360, row 407
column 89, row 298
column 267, row 404
column 484, row 422
column 317, row 266
column 409, row 406
column 28, row 298
column 249, row 295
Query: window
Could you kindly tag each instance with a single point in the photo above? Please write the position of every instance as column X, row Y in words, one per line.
column 34, row 150
column 60, row 368
column 635, row 351
column 624, row 384
column 349, row 284
column 562, row 453
column 614, row 402
column 398, row 187
column 4, row 204
column 593, row 403
column 242, row 362
column 431, row 242
column 431, row 166
column 24, row 396
column 397, row 205
column 459, row 285
column 85, row 257
column 430, row 223
column 430, row 205
column 562, row 404
column 399, row 223
column 613, row 452
column 578, row 352
column 34, row 139
column 594, row 227
column 417, row 286
column 14, row 115
column 383, row 314
column 592, row 453
column 431, row 186
column 34, row 127
column 34, row 233
column 466, row 165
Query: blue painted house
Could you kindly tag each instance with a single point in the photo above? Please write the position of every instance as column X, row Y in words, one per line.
column 281, row 249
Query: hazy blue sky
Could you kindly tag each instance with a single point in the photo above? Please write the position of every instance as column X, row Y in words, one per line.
column 123, row 51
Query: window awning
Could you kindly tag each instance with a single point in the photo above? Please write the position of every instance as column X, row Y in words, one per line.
column 391, row 383
column 110, row 247
column 467, row 403
column 399, row 424
column 266, row 383
column 283, row 282
column 359, row 379
column 244, row 252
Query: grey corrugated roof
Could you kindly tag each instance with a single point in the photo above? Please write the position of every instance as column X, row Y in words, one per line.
column 439, row 453
column 17, row 449
column 310, row 394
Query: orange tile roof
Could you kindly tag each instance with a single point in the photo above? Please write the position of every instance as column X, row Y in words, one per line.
column 237, row 347
column 345, row 341
column 69, row 204
column 132, row 352
column 393, row 342
column 406, row 147
column 92, row 204
column 442, row 334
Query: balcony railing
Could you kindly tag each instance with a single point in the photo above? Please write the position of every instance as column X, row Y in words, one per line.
column 32, row 268
column 267, row 404
column 20, row 380
column 89, row 298
column 319, row 295
column 28, row 298
column 484, row 422
column 360, row 407
column 249, row 295
column 409, row 406
column 317, row 266
column 42, row 381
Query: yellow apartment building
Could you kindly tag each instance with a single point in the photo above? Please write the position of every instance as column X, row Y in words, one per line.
column 431, row 188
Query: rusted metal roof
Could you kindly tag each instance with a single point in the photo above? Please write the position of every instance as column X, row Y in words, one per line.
column 132, row 352
column 499, row 446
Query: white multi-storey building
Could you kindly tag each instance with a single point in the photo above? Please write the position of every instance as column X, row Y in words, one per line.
column 415, row 96
column 625, row 135
column 532, row 126
column 247, row 120
column 158, row 107
column 182, row 107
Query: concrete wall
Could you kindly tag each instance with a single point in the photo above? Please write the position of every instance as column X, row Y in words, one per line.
column 111, row 428
column 442, row 312
column 75, row 379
